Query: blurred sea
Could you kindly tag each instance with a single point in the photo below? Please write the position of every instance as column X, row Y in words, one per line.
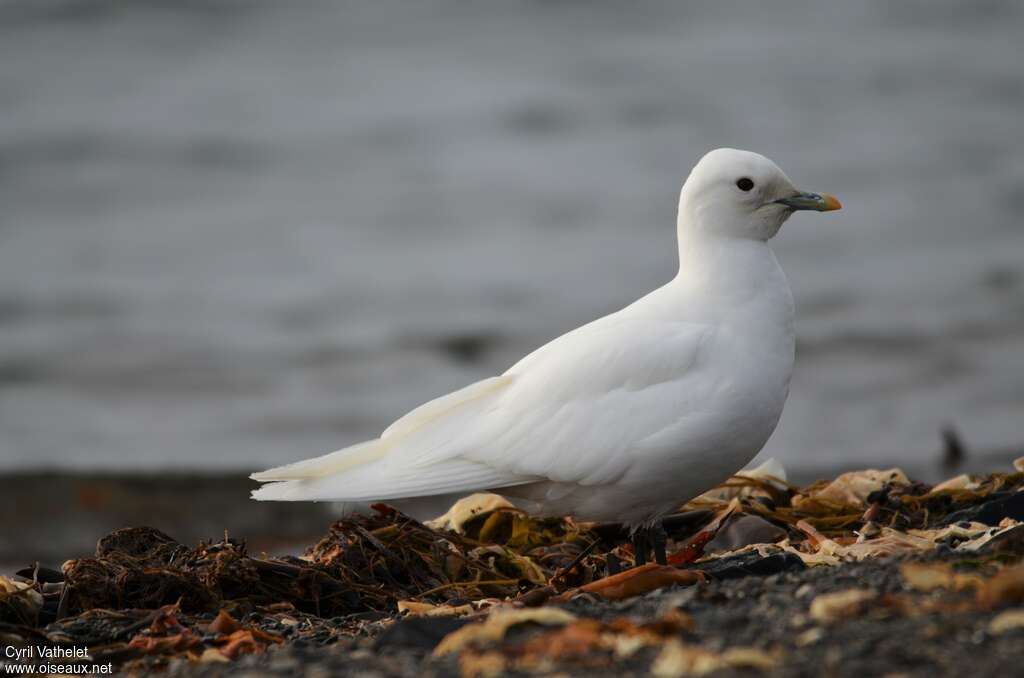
column 235, row 234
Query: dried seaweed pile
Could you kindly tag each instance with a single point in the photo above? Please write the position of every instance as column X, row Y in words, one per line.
column 869, row 513
column 145, row 599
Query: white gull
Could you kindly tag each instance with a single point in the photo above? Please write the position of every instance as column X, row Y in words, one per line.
column 624, row 418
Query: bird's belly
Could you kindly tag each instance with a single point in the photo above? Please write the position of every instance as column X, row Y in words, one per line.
column 679, row 434
column 717, row 431
column 670, row 468
column 738, row 415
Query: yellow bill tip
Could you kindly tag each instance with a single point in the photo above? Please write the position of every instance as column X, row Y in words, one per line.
column 831, row 203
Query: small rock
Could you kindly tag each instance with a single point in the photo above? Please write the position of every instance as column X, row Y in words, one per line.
column 992, row 512
column 743, row 530
column 422, row 633
column 750, row 564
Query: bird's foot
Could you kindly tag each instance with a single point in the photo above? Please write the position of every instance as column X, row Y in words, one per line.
column 650, row 539
column 659, row 542
column 641, row 545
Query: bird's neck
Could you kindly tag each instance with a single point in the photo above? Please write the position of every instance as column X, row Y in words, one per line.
column 730, row 273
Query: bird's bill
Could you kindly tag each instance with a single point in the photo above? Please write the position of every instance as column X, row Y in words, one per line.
column 819, row 202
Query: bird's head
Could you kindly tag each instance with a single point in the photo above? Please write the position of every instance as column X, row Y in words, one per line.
column 741, row 194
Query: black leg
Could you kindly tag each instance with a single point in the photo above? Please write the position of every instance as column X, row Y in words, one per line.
column 659, row 539
column 614, row 564
column 641, row 545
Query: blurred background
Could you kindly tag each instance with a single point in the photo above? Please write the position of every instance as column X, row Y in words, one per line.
column 236, row 233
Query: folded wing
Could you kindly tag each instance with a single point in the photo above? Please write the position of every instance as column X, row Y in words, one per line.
column 574, row 411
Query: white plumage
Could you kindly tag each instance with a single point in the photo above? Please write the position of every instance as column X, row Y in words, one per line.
column 623, row 418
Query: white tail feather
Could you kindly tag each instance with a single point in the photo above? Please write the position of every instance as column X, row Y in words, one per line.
column 328, row 464
column 368, row 471
column 381, row 481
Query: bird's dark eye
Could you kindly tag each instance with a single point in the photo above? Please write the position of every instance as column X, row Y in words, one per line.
column 744, row 183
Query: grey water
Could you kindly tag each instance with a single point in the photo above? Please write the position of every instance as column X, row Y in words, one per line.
column 236, row 233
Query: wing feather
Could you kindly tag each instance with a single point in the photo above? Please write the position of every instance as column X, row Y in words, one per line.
column 576, row 410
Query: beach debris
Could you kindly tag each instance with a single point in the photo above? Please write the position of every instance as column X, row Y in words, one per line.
column 829, row 608
column 547, row 639
column 960, row 482
column 678, row 659
column 500, row 553
column 468, row 508
column 363, row 563
column 855, row 487
column 1007, row 541
column 166, row 634
column 1006, row 587
column 116, row 582
column 996, row 509
column 758, row 481
column 759, row 560
column 928, row 576
column 810, row 636
column 969, row 537
column 693, row 548
column 638, row 581
column 497, row 625
column 888, row 542
column 1007, row 621
column 20, row 602
column 486, row 581
column 414, row 608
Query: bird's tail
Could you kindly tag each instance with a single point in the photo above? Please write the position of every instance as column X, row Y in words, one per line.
column 310, row 469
